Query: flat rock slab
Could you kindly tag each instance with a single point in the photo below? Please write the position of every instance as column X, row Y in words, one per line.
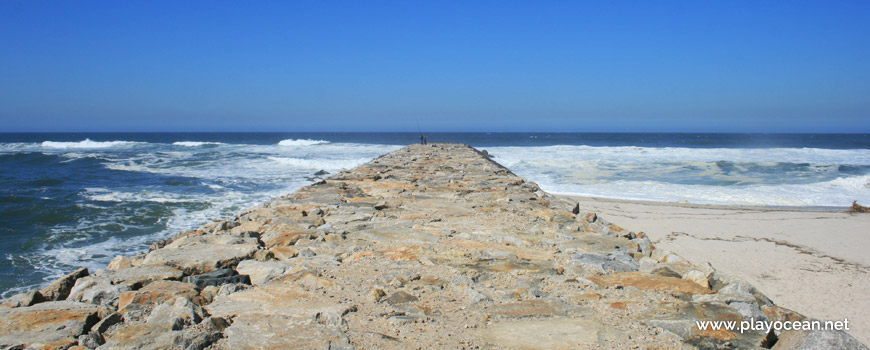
column 143, row 336
column 817, row 340
column 645, row 281
column 261, row 272
column 46, row 323
column 278, row 299
column 277, row 332
column 200, row 258
column 156, row 293
column 140, row 275
column 551, row 334
column 530, row 308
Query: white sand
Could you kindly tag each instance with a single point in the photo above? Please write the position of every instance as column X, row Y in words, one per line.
column 812, row 261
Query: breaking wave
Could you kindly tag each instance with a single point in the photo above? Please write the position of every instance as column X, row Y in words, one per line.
column 301, row 142
column 86, row 144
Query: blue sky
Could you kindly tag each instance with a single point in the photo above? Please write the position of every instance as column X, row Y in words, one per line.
column 677, row 66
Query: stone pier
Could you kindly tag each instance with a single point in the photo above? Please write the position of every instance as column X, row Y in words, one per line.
column 428, row 247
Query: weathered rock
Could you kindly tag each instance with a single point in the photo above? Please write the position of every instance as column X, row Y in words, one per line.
column 736, row 290
column 196, row 258
column 140, row 275
column 665, row 271
column 120, row 262
column 25, row 299
column 60, row 289
column 262, row 272
column 400, row 297
column 248, row 229
column 817, row 340
column 156, row 293
column 217, row 278
column 202, row 335
column 280, row 315
column 230, row 288
column 644, row 245
column 91, row 340
column 698, row 277
column 553, row 333
column 749, row 311
column 176, row 314
column 275, row 332
column 647, row 264
column 285, row 299
column 681, row 318
column 778, row 313
column 96, row 290
column 610, row 263
column 197, row 241
column 107, row 322
column 143, row 336
column 530, row 308
column 649, row 282
column 47, row 323
column 377, row 294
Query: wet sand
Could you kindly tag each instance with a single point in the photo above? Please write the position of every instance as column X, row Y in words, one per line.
column 813, row 261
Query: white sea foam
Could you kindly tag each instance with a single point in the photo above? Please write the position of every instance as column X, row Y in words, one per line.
column 195, row 143
column 301, row 142
column 13, row 147
column 767, row 177
column 320, row 163
column 106, row 195
column 86, row 143
column 509, row 156
column 834, row 193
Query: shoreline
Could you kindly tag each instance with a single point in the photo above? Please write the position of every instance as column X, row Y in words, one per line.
column 687, row 204
column 787, row 253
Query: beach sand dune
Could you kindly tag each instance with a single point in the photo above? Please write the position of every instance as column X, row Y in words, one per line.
column 812, row 261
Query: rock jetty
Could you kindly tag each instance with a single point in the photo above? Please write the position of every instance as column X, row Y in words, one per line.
column 429, row 247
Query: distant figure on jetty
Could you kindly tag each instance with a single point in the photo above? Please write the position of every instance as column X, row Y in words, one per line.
column 422, row 139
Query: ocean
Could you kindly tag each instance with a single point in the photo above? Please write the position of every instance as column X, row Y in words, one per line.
column 69, row 200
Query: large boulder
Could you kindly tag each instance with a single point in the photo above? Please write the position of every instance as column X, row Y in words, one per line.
column 30, row 298
column 177, row 313
column 139, row 276
column 817, row 340
column 95, row 290
column 157, row 293
column 199, row 254
column 281, row 315
column 607, row 263
column 48, row 323
column 60, row 289
column 217, row 278
column 261, row 272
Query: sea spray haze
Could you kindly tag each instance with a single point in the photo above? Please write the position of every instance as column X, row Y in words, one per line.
column 70, row 200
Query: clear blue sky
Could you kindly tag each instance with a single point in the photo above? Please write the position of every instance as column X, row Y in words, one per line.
column 757, row 66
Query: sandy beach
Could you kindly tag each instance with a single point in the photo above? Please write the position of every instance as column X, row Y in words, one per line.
column 812, row 261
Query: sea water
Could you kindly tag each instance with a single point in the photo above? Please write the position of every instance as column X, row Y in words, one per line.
column 71, row 200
